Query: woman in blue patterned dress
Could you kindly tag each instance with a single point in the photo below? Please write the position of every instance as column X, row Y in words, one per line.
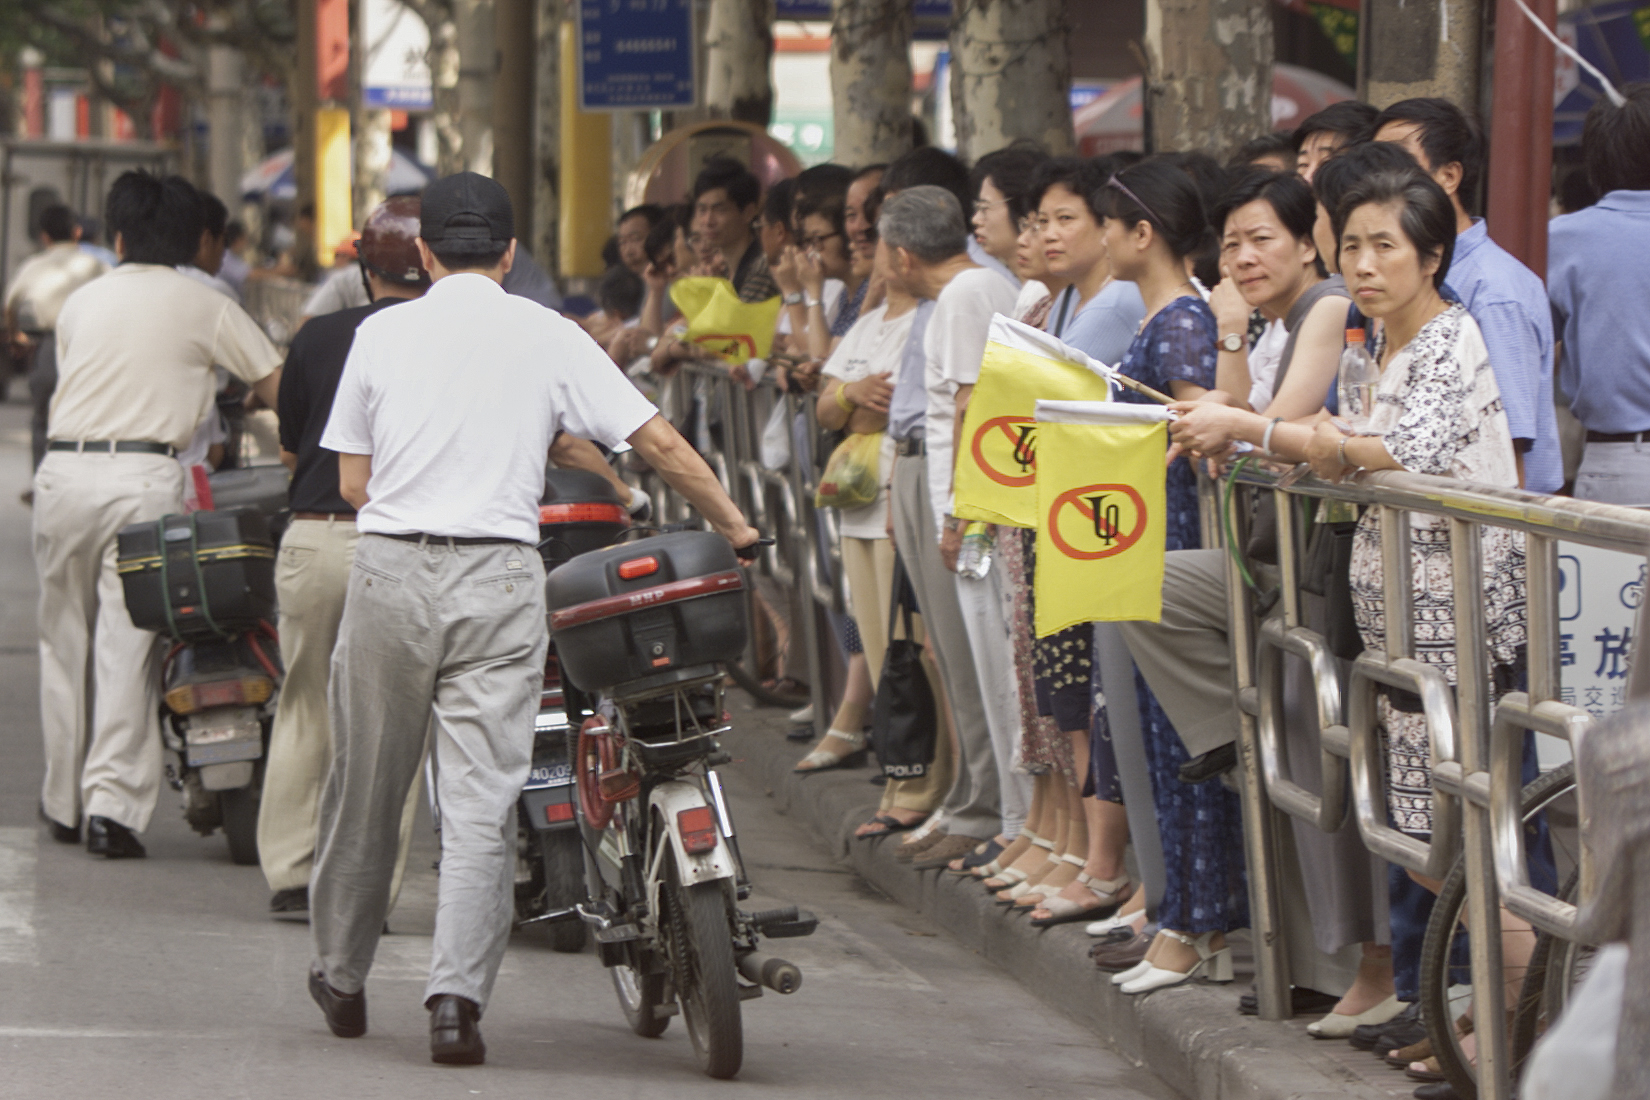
column 1154, row 220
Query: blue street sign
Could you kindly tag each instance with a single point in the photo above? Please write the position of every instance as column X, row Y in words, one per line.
column 635, row 55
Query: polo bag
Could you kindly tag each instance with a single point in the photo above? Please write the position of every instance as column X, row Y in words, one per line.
column 904, row 718
column 853, row 475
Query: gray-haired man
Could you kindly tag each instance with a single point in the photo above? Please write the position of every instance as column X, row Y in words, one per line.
column 927, row 240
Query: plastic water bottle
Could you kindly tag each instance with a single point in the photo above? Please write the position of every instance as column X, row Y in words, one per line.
column 1358, row 379
column 974, row 559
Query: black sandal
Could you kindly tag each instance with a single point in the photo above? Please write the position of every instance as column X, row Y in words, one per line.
column 890, row 824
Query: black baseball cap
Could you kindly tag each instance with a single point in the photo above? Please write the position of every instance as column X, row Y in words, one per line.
column 466, row 212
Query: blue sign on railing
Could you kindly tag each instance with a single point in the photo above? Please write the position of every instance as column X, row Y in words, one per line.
column 635, row 55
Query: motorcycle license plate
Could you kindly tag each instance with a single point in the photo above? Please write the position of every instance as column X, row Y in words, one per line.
column 549, row 775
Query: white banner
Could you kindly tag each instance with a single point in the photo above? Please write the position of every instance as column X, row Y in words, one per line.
column 395, row 74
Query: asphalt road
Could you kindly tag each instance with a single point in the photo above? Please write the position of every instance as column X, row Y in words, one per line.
column 166, row 977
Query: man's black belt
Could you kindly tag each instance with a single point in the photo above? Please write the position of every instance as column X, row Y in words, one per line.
column 908, row 447
column 453, row 540
column 1618, row 437
column 113, row 446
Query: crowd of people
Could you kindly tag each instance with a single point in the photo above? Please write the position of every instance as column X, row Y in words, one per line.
column 1233, row 289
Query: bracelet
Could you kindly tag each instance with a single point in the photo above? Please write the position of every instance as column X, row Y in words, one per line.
column 842, row 399
column 1340, row 452
column 1266, row 440
column 812, row 302
column 795, row 299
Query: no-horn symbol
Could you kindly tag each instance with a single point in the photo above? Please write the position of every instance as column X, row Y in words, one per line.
column 1096, row 521
column 1005, row 450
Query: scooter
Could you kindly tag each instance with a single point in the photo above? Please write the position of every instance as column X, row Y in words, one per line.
column 207, row 581
column 647, row 624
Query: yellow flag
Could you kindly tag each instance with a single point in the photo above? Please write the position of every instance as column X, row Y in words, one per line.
column 718, row 320
column 997, row 463
column 1101, row 530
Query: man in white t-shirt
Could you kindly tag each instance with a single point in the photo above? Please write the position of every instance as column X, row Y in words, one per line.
column 444, row 416
column 926, row 238
column 136, row 350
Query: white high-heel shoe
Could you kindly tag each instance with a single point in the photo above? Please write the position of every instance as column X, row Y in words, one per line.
column 1133, row 972
column 1114, row 924
column 1215, row 966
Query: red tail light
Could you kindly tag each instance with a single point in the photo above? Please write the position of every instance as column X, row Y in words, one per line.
column 698, row 827
column 638, row 567
column 557, row 812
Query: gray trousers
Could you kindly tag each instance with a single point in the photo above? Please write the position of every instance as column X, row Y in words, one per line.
column 1187, row 661
column 972, row 807
column 1615, row 473
column 457, row 634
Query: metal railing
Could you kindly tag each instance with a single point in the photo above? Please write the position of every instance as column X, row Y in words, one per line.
column 1477, row 748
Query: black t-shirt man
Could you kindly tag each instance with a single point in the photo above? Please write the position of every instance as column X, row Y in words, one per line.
column 314, row 363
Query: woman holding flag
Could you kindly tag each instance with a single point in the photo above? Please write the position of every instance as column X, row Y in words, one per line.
column 1154, row 219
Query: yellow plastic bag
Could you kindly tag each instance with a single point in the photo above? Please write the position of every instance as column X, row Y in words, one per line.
column 718, row 320
column 853, row 476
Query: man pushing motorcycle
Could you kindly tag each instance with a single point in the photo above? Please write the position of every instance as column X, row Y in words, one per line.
column 446, row 411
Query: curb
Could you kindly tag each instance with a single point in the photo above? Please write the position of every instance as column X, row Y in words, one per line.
column 1190, row 1036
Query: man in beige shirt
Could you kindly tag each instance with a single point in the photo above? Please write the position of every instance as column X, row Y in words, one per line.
column 33, row 300
column 135, row 356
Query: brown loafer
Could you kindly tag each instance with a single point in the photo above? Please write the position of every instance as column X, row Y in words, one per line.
column 1415, row 1052
column 945, row 851
column 455, row 1032
column 906, row 852
column 1121, row 956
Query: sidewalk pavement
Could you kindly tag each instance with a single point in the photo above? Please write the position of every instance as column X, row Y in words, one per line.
column 1191, row 1036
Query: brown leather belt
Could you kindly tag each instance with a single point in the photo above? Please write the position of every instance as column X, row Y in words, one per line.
column 1617, row 437
column 452, row 540
column 325, row 516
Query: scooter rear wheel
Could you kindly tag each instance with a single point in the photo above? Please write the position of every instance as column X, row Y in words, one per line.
column 707, row 984
column 639, row 994
column 240, row 823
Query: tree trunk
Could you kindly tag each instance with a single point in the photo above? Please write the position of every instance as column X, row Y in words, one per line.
column 478, row 67
column 1209, row 84
column 373, row 151
column 547, row 134
column 444, row 64
column 871, row 80
column 738, row 52
column 1011, row 75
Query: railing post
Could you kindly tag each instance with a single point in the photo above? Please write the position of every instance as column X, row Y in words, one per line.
column 1473, row 726
column 1260, row 820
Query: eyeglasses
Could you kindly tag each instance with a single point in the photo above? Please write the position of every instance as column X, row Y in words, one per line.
column 983, row 206
column 1136, row 199
column 1033, row 223
column 810, row 243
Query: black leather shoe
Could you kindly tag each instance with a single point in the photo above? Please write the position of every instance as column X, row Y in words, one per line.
column 346, row 1013
column 1439, row 1090
column 1302, row 1002
column 1200, row 769
column 290, row 904
column 1374, row 1037
column 63, row 834
column 112, row 840
column 455, row 1037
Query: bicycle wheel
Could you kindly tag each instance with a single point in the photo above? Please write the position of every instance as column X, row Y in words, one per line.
column 1445, row 941
column 1557, row 967
column 707, row 985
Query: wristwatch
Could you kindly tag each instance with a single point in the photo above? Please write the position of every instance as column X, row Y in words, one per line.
column 794, row 299
column 1232, row 341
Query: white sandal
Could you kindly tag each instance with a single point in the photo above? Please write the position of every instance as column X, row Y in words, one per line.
column 822, row 759
column 995, row 867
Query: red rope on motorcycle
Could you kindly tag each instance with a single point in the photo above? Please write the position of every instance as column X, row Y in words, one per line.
column 602, row 783
column 258, row 652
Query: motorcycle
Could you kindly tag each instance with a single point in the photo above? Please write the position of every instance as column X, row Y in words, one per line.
column 648, row 625
column 207, row 581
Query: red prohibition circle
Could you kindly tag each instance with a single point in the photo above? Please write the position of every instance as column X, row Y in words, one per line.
column 1006, row 425
column 1074, row 498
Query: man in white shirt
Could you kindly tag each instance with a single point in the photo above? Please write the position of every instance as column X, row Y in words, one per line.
column 926, row 237
column 37, row 292
column 444, row 416
column 135, row 355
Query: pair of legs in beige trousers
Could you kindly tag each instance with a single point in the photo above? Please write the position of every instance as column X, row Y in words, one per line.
column 99, row 674
column 311, row 577
column 869, row 566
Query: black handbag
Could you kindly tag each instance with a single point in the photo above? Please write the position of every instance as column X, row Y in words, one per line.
column 1326, row 572
column 904, row 717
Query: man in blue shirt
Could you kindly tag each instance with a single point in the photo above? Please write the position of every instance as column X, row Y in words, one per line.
column 1504, row 297
column 1599, row 289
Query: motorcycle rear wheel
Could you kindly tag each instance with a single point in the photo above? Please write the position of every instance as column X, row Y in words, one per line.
column 240, row 823
column 707, row 985
column 563, row 887
column 639, row 994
